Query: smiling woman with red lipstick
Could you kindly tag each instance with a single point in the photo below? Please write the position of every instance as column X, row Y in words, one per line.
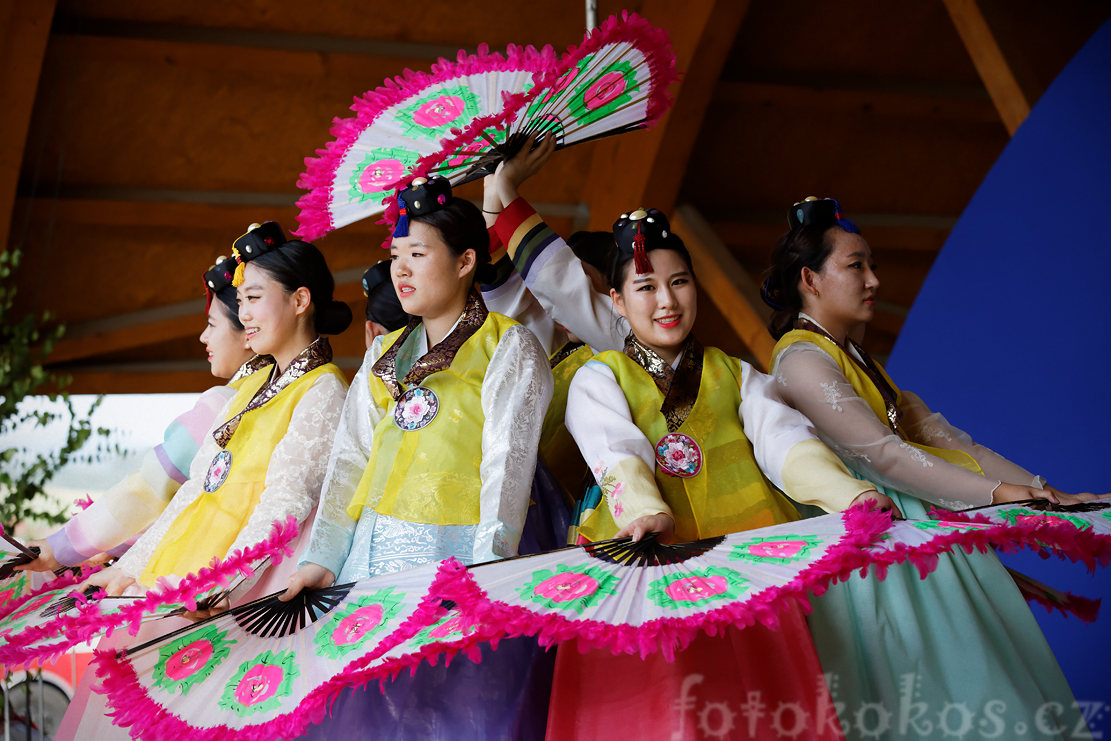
column 823, row 286
column 687, row 442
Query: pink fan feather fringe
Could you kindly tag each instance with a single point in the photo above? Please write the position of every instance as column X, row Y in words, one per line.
column 134, row 708
column 89, row 622
column 652, row 41
column 61, row 582
column 315, row 220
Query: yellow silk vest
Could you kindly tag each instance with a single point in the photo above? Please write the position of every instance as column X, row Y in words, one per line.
column 730, row 493
column 208, row 527
column 431, row 475
column 557, row 448
column 866, row 388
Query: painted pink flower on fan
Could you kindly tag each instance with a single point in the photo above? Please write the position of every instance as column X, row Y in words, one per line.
column 259, row 684
column 605, row 88
column 439, row 111
column 567, row 586
column 465, row 154
column 777, row 548
column 357, row 624
column 562, row 83
column 695, row 588
column 452, row 625
column 381, row 174
column 188, row 660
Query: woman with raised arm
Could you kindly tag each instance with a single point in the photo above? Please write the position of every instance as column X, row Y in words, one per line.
column 434, row 458
column 964, row 635
column 116, row 518
column 688, row 442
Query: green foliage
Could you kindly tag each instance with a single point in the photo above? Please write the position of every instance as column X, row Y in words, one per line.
column 25, row 343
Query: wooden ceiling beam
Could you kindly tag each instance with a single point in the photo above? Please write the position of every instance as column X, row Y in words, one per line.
column 25, row 30
column 886, row 102
column 990, row 63
column 726, row 283
column 647, row 167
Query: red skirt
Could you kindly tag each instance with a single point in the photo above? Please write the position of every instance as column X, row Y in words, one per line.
column 755, row 683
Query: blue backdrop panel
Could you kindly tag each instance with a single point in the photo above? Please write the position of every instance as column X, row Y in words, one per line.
column 1009, row 337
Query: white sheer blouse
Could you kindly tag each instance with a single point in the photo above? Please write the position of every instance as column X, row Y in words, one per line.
column 515, row 394
column 293, row 477
column 810, row 380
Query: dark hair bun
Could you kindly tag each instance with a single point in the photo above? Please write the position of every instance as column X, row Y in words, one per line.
column 333, row 317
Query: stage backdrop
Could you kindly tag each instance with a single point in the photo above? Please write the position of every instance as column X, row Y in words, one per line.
column 1009, row 337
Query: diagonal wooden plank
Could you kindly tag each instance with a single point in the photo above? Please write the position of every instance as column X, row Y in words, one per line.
column 646, row 168
column 990, row 63
column 724, row 281
column 25, row 29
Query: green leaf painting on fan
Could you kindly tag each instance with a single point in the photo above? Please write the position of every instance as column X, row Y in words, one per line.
column 432, row 116
column 569, row 587
column 378, row 172
column 350, row 628
column 777, row 549
column 604, row 92
column 697, row 588
column 450, row 627
column 261, row 683
column 941, row 525
column 191, row 659
column 1027, row 516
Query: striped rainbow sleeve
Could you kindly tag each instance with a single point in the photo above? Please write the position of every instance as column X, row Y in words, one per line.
column 133, row 504
column 525, row 235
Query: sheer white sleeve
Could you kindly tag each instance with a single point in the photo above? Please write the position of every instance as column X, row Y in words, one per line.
column 515, row 393
column 622, row 459
column 334, row 529
column 296, row 470
column 515, row 300
column 560, row 284
column 135, row 560
column 810, row 380
column 931, row 428
column 770, row 425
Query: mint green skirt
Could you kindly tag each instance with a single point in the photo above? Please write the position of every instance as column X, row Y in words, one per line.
column 955, row 655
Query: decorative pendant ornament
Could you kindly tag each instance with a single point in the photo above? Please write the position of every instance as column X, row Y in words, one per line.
column 679, row 455
column 218, row 471
column 416, row 409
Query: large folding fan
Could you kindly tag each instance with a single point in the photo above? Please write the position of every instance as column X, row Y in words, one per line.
column 268, row 670
column 56, row 618
column 464, row 116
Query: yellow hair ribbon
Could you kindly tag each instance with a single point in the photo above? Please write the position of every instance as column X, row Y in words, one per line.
column 237, row 277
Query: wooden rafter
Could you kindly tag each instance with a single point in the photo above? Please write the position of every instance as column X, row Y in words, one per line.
column 26, row 27
column 646, row 168
column 724, row 281
column 990, row 63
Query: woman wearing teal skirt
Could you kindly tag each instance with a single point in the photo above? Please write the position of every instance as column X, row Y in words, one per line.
column 955, row 655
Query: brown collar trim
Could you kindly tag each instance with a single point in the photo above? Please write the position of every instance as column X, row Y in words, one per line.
column 436, row 359
column 311, row 358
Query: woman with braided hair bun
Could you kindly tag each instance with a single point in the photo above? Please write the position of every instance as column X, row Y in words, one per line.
column 110, row 525
column 264, row 458
column 964, row 635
